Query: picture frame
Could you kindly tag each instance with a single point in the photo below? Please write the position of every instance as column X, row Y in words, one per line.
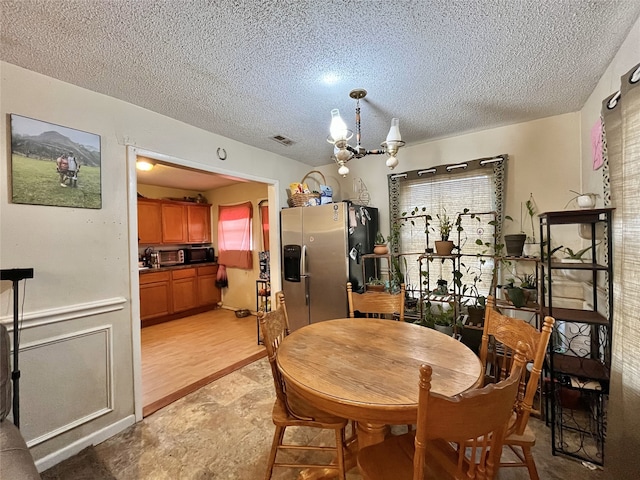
column 54, row 165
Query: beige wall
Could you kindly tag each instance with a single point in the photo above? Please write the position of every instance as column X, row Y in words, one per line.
column 242, row 283
column 544, row 159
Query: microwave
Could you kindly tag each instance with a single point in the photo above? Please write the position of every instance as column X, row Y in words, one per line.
column 167, row 258
column 200, row 255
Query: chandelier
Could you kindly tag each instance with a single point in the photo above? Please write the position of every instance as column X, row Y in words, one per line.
column 339, row 137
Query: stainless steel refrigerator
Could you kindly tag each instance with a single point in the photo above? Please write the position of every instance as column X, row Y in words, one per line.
column 321, row 249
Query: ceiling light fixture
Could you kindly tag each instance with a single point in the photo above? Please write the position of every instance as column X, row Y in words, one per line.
column 144, row 164
column 340, row 135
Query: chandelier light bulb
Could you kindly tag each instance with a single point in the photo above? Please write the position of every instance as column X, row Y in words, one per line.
column 343, row 170
column 394, row 131
column 338, row 128
column 392, row 162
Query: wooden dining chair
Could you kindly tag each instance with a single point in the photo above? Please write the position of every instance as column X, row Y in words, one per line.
column 379, row 304
column 500, row 337
column 291, row 411
column 436, row 450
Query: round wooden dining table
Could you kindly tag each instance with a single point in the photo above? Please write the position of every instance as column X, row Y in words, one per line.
column 367, row 370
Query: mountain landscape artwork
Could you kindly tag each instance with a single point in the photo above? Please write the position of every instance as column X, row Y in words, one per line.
column 54, row 165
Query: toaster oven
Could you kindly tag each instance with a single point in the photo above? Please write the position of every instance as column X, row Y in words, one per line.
column 167, row 258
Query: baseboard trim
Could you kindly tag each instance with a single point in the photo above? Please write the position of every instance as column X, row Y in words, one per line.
column 95, row 438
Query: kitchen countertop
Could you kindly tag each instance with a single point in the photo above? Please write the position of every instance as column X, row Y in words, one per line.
column 176, row 267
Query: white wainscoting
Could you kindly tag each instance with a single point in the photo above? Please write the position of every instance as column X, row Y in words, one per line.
column 66, row 381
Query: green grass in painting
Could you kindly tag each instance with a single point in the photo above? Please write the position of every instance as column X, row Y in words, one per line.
column 37, row 182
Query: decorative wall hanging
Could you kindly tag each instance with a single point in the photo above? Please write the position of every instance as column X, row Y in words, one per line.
column 54, row 165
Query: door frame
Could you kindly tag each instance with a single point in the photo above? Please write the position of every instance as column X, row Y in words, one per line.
column 134, row 283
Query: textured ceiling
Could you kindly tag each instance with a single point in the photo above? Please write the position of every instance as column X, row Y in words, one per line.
column 249, row 70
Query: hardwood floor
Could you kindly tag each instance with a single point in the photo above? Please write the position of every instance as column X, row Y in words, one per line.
column 180, row 356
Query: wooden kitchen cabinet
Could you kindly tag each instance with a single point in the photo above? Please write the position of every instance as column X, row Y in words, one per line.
column 199, row 223
column 177, row 292
column 185, row 289
column 208, row 292
column 149, row 221
column 155, row 295
column 174, row 222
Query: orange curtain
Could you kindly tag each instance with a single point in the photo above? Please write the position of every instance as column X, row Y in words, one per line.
column 234, row 235
column 264, row 220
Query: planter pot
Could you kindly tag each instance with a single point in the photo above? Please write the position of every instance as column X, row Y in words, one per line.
column 531, row 250
column 444, row 247
column 586, row 201
column 569, row 398
column 374, row 288
column 446, row 329
column 530, row 295
column 476, row 316
column 472, row 338
column 515, row 244
column 380, row 249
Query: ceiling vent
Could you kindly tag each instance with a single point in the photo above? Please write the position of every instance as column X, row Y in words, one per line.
column 283, row 140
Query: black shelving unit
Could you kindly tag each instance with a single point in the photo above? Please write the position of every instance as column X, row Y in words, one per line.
column 579, row 371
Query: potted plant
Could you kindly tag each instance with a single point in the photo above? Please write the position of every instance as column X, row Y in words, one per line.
column 570, row 256
column 380, row 245
column 531, row 247
column 428, row 316
column 522, row 293
column 529, row 286
column 444, row 246
column 375, row 285
column 475, row 304
column 584, row 200
column 397, row 276
column 515, row 241
column 474, row 301
column 443, row 320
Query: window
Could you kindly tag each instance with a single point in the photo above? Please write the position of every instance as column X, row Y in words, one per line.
column 478, row 186
column 234, row 235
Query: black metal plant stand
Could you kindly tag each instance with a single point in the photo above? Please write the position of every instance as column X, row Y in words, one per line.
column 15, row 275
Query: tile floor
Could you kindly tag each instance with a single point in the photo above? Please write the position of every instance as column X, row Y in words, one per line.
column 224, row 431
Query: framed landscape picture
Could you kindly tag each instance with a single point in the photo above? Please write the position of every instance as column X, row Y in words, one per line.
column 54, row 165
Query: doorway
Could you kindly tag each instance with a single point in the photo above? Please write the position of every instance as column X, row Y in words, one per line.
column 248, row 349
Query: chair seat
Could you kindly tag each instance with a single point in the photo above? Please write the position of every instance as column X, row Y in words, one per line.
column 528, row 438
column 311, row 417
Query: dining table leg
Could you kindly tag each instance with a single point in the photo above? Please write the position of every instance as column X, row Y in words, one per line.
column 368, row 434
column 371, row 433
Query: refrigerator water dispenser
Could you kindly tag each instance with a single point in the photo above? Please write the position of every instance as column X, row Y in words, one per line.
column 292, row 255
